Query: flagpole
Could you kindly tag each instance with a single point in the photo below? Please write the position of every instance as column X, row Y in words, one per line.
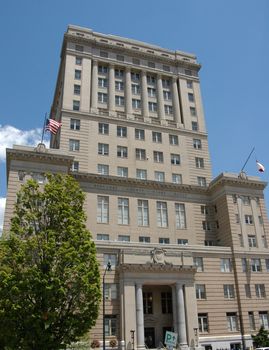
column 44, row 127
column 247, row 159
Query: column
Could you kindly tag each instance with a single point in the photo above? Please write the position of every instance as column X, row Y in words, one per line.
column 174, row 303
column 144, row 95
column 94, row 86
column 181, row 315
column 111, row 89
column 160, row 98
column 140, row 317
column 128, row 91
column 176, row 101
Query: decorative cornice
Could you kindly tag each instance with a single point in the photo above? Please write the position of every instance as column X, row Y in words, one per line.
column 151, row 267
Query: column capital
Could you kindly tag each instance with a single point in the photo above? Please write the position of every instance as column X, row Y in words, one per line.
column 111, row 65
column 127, row 69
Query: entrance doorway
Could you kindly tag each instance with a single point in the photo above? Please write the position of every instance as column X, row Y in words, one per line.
column 235, row 346
column 150, row 337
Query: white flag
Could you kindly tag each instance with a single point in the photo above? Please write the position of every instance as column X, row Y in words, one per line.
column 260, row 167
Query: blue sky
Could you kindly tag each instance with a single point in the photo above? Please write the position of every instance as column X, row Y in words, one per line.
column 230, row 39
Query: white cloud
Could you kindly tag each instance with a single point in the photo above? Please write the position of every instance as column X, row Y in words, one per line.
column 9, row 135
column 2, row 210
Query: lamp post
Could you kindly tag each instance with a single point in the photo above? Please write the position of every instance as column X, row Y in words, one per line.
column 108, row 268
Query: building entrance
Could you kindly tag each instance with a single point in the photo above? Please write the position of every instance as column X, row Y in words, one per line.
column 150, row 337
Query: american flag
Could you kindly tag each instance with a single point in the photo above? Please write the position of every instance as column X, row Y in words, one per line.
column 52, row 126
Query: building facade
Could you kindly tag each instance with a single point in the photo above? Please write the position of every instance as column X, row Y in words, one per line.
column 189, row 253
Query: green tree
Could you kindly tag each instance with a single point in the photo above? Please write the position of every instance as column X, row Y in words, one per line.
column 261, row 338
column 49, row 275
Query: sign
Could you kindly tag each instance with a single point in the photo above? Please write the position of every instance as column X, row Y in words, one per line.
column 170, row 339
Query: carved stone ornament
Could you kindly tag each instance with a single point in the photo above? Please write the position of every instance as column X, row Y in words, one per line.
column 157, row 256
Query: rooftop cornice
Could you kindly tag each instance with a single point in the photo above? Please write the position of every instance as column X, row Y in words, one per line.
column 151, row 267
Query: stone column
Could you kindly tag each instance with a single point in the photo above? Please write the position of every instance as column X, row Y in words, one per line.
column 174, row 304
column 94, row 86
column 144, row 94
column 140, row 317
column 182, row 335
column 128, row 91
column 111, row 90
column 176, row 101
column 160, row 98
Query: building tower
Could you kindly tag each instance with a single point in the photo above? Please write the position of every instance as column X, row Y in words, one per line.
column 189, row 254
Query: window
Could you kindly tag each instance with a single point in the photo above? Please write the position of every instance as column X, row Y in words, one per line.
column 76, row 89
column 151, row 92
column 74, row 145
column 204, row 209
column 79, row 48
column 140, row 134
column 120, row 58
column 247, row 290
column 147, row 303
column 245, row 265
column 75, row 124
column 206, row 225
column 173, row 139
column 228, row 290
column 102, row 97
column 102, row 82
column 119, row 85
column 194, row 126
column 199, row 162
column 144, row 239
column 163, row 240
column 189, row 84
column 267, row 265
column 208, row 243
column 264, row 321
column 123, row 211
column 156, row 137
column 76, row 105
column 251, row 320
column 162, row 218
column 168, row 110
column 152, row 106
column 136, row 104
column 102, row 169
column 180, row 216
column 197, row 144
column 232, row 322
column 119, row 73
column 103, row 149
column 245, row 200
column 143, row 212
column 78, row 61
column 193, row 111
column 225, row 265
column 249, row 219
column 124, row 238
column 167, row 95
column 159, row 176
column 166, row 83
column 200, row 291
column 151, row 80
column 136, row 60
column 121, row 131
column 191, row 97
column 112, row 258
column 122, row 152
column 122, row 171
column 203, row 323
column 102, row 209
column 140, row 154
column 110, row 325
column 166, row 68
column 104, row 54
column 39, row 178
column 135, row 76
column 166, row 301
column 103, row 128
column 111, row 291
column 135, row 89
column 237, row 219
column 255, row 265
column 260, row 291
column 141, row 174
column 177, row 178
column 198, row 262
column 102, row 69
column 201, row 181
column 119, row 100
column 158, row 157
column 151, row 64
column 75, row 166
column 77, row 74
column 252, row 242
column 264, row 242
column 182, row 241
column 175, row 159
column 102, row 237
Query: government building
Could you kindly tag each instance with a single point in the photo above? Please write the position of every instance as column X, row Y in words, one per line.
column 189, row 253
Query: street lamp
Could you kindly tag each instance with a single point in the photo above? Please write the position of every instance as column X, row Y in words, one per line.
column 108, row 268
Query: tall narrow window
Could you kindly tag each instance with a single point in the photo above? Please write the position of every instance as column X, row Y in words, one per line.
column 200, row 291
column 203, row 323
column 228, row 290
column 123, row 211
column 180, row 216
column 148, row 303
column 264, row 319
column 143, row 212
column 232, row 321
column 162, row 219
column 102, row 209
column 103, row 149
column 225, row 265
column 166, row 300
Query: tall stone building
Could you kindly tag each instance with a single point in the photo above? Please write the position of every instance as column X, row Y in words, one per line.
column 188, row 253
